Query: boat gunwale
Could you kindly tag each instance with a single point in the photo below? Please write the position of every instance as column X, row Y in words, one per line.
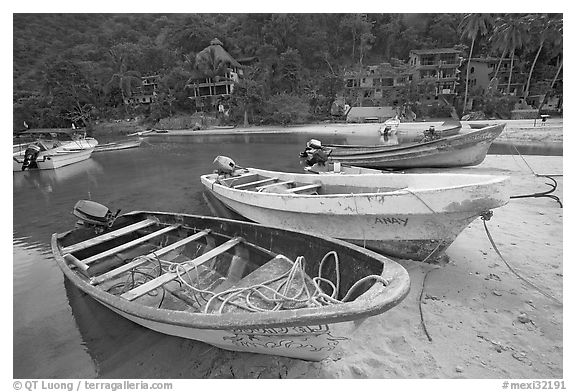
column 490, row 180
column 361, row 307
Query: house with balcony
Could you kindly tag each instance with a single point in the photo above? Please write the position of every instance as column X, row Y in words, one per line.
column 377, row 85
column 435, row 73
column 215, row 74
column 145, row 93
column 483, row 69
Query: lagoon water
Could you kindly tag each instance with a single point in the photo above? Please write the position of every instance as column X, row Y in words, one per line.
column 59, row 332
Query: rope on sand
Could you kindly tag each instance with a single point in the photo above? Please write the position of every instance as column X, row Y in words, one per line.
column 420, row 305
column 540, row 194
column 486, row 216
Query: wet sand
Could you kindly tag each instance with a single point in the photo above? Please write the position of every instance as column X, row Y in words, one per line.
column 482, row 319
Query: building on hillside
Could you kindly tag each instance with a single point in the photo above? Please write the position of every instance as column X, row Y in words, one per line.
column 215, row 75
column 377, row 85
column 145, row 93
column 482, row 70
column 435, row 73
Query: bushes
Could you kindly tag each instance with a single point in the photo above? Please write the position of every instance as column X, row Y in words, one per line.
column 286, row 109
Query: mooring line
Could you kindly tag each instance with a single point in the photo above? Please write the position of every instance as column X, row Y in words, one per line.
column 420, row 305
column 487, row 216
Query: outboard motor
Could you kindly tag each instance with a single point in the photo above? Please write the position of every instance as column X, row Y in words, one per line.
column 30, row 156
column 315, row 153
column 94, row 215
column 430, row 134
column 224, row 165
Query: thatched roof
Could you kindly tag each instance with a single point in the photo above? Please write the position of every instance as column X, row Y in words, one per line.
column 218, row 53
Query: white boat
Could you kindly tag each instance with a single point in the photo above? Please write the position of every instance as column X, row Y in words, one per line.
column 235, row 285
column 38, row 157
column 68, row 139
column 415, row 216
column 118, row 145
column 390, row 126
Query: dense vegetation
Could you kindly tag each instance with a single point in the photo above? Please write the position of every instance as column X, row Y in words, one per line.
column 79, row 67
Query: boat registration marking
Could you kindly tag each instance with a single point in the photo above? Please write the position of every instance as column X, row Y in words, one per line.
column 391, row 221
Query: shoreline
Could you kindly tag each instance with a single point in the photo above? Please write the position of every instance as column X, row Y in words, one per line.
column 516, row 130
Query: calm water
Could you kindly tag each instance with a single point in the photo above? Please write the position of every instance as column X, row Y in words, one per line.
column 61, row 333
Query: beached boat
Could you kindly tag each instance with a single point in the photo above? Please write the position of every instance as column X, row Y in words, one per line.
column 414, row 216
column 463, row 149
column 120, row 145
column 38, row 157
column 236, row 285
column 478, row 125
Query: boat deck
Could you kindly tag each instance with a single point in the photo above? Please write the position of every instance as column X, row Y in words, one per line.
column 257, row 182
column 173, row 267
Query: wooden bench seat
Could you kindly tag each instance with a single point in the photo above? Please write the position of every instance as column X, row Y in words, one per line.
column 144, row 259
column 129, row 244
column 254, row 183
column 307, row 187
column 108, row 236
column 261, row 188
column 170, row 276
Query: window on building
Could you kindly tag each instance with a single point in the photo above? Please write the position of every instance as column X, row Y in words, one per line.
column 471, row 70
column 387, row 82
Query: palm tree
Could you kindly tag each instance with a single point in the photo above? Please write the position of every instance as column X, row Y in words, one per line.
column 472, row 26
column 546, row 29
column 125, row 80
column 498, row 44
column 513, row 31
column 551, row 85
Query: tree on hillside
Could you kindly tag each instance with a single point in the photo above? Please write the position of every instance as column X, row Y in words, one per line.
column 124, row 79
column 513, row 31
column 472, row 27
column 546, row 29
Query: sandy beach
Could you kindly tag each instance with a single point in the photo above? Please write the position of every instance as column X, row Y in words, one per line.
column 482, row 319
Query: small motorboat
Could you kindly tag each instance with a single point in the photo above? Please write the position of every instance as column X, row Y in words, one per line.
column 412, row 216
column 462, row 149
column 235, row 285
column 39, row 156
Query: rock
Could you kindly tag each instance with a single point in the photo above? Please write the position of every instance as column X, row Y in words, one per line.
column 459, row 369
column 523, row 318
column 497, row 293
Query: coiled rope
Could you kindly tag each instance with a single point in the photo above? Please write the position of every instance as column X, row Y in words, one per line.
column 278, row 298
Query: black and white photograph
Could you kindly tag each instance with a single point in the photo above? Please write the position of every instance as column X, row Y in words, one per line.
column 287, row 195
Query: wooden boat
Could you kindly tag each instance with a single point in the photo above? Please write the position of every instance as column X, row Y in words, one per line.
column 414, row 216
column 236, row 285
column 38, row 157
column 478, row 125
column 120, row 145
column 463, row 149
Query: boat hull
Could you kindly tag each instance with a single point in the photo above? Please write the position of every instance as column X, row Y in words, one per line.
column 309, row 333
column 406, row 223
column 465, row 149
column 52, row 159
column 307, row 342
column 117, row 146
